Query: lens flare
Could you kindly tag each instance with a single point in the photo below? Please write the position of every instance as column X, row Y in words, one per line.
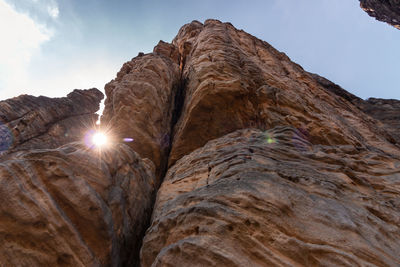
column 99, row 139
column 96, row 139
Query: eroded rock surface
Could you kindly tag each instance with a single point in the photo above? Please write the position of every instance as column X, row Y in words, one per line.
column 269, row 165
column 73, row 206
column 140, row 102
column 236, row 81
column 385, row 111
column 384, row 10
column 317, row 184
column 254, row 198
column 29, row 122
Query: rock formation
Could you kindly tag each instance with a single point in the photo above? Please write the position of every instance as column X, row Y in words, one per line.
column 28, row 122
column 255, row 198
column 140, row 102
column 73, row 206
column 318, row 188
column 256, row 162
column 384, row 10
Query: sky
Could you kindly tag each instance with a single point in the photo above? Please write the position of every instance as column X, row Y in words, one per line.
column 50, row 47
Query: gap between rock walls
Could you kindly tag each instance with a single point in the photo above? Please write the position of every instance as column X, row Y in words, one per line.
column 177, row 100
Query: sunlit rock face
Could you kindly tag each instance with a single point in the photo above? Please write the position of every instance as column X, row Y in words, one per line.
column 272, row 198
column 140, row 102
column 384, row 10
column 310, row 180
column 268, row 165
column 28, row 122
column 385, row 111
column 235, row 81
column 72, row 206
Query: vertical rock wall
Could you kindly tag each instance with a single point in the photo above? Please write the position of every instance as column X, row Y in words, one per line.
column 268, row 165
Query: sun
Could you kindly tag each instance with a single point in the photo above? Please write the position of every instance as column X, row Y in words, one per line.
column 99, row 139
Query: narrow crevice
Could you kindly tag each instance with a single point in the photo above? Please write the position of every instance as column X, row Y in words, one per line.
column 177, row 99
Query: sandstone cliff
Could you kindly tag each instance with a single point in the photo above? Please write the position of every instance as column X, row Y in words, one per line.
column 28, row 122
column 237, row 157
column 384, row 10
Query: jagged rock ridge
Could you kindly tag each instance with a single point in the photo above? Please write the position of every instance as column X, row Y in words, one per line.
column 384, row 10
column 29, row 122
column 260, row 164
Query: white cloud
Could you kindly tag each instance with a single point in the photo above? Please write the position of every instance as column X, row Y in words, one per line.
column 53, row 11
column 21, row 38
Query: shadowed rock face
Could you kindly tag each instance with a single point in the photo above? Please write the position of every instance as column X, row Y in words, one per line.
column 269, row 165
column 384, row 10
column 29, row 122
column 73, row 207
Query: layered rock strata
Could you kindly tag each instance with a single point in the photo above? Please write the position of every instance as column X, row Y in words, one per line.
column 236, row 81
column 73, row 206
column 385, row 111
column 384, row 10
column 140, row 103
column 29, row 122
column 269, row 165
column 255, row 198
column 312, row 180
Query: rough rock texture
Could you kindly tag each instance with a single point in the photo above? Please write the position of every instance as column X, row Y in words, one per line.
column 73, row 207
column 386, row 111
column 269, row 165
column 384, row 10
column 320, row 187
column 236, row 81
column 28, row 122
column 254, row 198
column 140, row 102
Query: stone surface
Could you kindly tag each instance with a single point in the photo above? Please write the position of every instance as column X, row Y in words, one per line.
column 384, row 10
column 140, row 102
column 316, row 184
column 254, row 198
column 28, row 122
column 73, row 206
column 385, row 111
column 269, row 165
column 234, row 81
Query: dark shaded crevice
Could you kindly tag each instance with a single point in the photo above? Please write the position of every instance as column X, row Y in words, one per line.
column 178, row 98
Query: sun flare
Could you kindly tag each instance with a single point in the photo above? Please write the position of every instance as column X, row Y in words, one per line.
column 99, row 139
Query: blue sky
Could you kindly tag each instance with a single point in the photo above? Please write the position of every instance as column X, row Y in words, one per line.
column 50, row 47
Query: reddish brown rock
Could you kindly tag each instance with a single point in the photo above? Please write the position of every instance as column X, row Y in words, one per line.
column 140, row 102
column 28, row 122
column 385, row 111
column 234, row 81
column 315, row 185
column 269, row 165
column 384, row 10
column 254, row 198
column 74, row 207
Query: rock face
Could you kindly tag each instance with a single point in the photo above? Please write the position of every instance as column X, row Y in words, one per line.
column 384, row 10
column 260, row 164
column 28, row 122
column 320, row 187
column 236, row 81
column 73, row 207
column 385, row 111
column 254, row 198
column 140, row 102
